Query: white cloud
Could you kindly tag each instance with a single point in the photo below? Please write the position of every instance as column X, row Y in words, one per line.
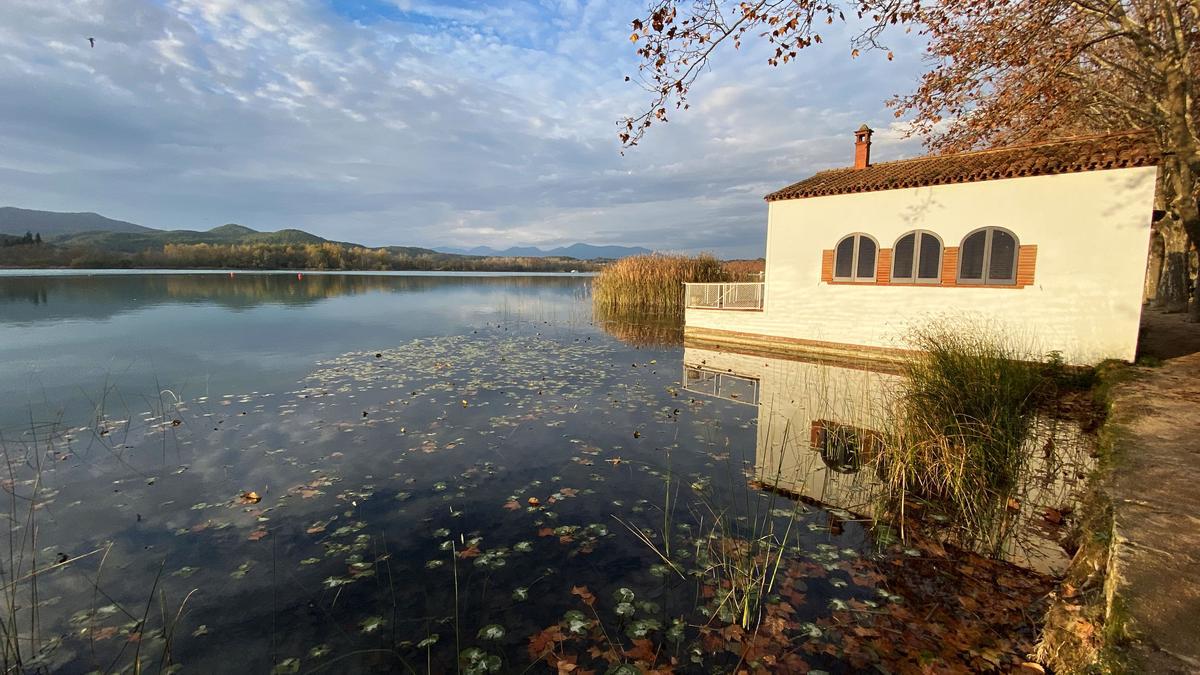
column 418, row 124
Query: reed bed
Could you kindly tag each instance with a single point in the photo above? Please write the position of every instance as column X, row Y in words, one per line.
column 652, row 285
column 745, row 270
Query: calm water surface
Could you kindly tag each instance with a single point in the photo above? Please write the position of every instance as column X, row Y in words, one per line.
column 384, row 473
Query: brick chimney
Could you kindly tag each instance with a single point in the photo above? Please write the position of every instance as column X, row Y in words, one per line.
column 862, row 147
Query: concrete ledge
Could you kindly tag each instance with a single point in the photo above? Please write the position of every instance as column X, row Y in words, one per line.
column 859, row 357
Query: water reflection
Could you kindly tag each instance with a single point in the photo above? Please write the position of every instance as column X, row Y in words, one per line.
column 31, row 299
column 639, row 331
column 821, row 428
column 70, row 341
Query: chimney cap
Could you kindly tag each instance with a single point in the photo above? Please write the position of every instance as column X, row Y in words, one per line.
column 863, row 128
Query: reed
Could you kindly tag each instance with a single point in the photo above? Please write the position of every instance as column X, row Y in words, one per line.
column 652, row 285
column 964, row 413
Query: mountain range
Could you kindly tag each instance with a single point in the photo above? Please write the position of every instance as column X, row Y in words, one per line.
column 94, row 231
column 52, row 224
column 581, row 251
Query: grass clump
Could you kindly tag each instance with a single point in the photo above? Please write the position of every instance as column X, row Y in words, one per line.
column 652, row 285
column 966, row 408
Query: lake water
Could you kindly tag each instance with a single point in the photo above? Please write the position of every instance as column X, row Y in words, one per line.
column 424, row 473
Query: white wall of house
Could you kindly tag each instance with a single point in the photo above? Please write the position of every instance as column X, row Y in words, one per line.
column 1092, row 231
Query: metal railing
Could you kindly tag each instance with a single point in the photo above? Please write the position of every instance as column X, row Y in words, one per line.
column 724, row 296
column 729, row 386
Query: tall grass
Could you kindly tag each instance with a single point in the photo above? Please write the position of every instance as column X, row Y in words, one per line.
column 965, row 411
column 652, row 285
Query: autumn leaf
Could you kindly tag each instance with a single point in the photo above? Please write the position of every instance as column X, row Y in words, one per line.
column 512, row 505
column 257, row 534
column 584, row 594
column 642, row 650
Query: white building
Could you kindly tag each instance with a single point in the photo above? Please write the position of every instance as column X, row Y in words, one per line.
column 1044, row 243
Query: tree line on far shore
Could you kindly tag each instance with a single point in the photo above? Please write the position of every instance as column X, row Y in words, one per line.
column 324, row 256
column 30, row 239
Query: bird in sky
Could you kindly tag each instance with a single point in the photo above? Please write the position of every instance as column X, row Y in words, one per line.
column 92, row 42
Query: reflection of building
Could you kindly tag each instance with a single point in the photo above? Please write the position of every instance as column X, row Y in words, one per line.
column 817, row 424
column 1046, row 241
column 821, row 426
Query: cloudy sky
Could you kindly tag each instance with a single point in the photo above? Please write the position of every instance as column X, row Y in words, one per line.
column 414, row 122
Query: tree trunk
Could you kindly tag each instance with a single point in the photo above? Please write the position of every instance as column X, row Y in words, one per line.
column 1154, row 268
column 1173, row 284
column 1181, row 161
column 1194, row 313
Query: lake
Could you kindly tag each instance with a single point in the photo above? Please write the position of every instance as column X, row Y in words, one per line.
column 429, row 473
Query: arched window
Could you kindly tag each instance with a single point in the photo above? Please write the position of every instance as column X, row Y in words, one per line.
column 988, row 256
column 917, row 258
column 854, row 258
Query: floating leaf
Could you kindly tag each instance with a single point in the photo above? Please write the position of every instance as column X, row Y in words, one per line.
column 285, row 666
column 492, row 631
column 428, row 642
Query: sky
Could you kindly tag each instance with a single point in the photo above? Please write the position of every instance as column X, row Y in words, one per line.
column 417, row 123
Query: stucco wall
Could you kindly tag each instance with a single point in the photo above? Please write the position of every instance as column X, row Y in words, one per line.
column 1092, row 232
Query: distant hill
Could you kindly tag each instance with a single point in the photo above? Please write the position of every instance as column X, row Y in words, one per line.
column 93, row 232
column 132, row 242
column 581, row 251
column 52, row 223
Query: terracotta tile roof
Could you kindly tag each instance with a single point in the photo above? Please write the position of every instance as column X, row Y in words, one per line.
column 1070, row 155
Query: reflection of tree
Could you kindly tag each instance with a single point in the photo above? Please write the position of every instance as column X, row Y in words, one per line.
column 41, row 298
column 639, row 330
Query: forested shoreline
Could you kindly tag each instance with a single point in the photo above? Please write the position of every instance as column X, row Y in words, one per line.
column 324, row 256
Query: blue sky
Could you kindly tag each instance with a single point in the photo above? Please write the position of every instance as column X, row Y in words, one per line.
column 415, row 122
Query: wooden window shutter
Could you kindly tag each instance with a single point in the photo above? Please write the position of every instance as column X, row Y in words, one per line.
column 1026, row 262
column 950, row 266
column 827, row 265
column 883, row 267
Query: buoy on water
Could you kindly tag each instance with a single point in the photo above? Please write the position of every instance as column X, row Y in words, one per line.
column 299, row 275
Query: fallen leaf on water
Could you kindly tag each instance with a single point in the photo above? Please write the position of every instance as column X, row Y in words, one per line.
column 584, row 594
column 257, row 534
column 249, row 498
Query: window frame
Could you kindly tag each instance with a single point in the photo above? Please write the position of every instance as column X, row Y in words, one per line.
column 985, row 278
column 854, row 278
column 858, row 444
column 915, row 277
